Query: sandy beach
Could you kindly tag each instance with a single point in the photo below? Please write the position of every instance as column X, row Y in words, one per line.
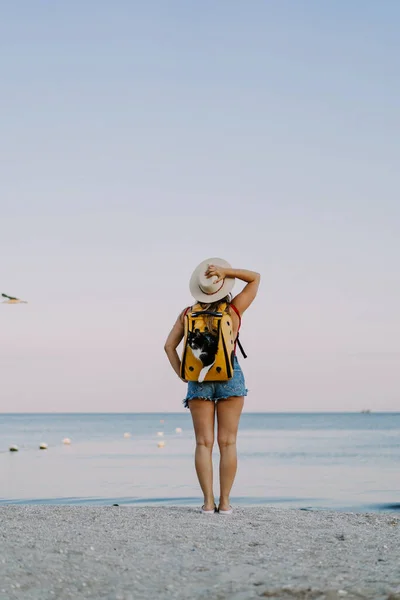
column 128, row 553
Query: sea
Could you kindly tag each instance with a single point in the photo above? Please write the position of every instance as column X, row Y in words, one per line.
column 309, row 461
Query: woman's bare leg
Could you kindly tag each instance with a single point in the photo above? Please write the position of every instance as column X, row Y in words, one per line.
column 228, row 416
column 203, row 415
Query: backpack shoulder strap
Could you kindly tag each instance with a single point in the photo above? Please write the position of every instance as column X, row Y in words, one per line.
column 237, row 312
column 237, row 337
column 184, row 313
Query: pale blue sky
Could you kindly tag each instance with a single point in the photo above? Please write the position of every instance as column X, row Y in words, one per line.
column 138, row 138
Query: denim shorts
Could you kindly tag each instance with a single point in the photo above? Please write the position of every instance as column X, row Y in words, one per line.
column 217, row 390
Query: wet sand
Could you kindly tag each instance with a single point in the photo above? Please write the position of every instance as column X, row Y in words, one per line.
column 128, row 553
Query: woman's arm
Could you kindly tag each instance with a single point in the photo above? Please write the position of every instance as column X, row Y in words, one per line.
column 173, row 341
column 243, row 300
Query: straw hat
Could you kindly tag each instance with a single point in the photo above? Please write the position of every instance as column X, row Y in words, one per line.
column 204, row 289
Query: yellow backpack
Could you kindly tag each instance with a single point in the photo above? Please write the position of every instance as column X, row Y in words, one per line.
column 209, row 345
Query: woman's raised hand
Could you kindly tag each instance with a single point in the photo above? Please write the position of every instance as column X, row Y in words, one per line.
column 216, row 271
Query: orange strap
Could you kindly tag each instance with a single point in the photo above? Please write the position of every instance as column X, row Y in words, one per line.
column 237, row 341
column 240, row 322
column 238, row 314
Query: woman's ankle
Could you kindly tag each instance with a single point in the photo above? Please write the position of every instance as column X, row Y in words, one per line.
column 209, row 502
column 224, row 502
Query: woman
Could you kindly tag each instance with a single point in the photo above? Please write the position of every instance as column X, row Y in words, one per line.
column 210, row 285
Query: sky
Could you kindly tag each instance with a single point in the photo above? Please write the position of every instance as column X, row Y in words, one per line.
column 139, row 138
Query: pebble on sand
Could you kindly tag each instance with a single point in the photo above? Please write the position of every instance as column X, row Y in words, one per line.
column 66, row 441
column 43, row 446
column 14, row 448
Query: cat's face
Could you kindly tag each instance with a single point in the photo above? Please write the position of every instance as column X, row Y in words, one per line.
column 203, row 345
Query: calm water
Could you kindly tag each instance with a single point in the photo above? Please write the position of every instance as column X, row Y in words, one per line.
column 341, row 461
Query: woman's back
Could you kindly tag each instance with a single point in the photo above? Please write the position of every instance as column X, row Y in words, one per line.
column 216, row 307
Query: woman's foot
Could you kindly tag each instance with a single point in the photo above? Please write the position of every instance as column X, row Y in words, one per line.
column 229, row 511
column 209, row 511
column 224, row 507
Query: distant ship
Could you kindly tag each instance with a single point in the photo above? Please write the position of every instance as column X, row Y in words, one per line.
column 366, row 411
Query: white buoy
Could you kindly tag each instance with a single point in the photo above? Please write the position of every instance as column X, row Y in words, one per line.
column 43, row 446
column 127, row 435
column 13, row 448
column 178, row 430
column 160, row 433
column 66, row 441
column 161, row 444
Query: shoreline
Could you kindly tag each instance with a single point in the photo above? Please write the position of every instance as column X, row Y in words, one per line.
column 134, row 553
column 388, row 508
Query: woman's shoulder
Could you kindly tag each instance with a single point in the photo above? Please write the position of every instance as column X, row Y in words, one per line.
column 184, row 312
column 233, row 311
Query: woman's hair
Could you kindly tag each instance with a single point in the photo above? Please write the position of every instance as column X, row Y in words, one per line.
column 214, row 307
